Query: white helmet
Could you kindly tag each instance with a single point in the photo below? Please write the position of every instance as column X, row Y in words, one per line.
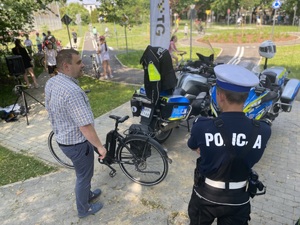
column 267, row 49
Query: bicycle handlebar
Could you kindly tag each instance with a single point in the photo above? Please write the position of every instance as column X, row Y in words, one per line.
column 182, row 53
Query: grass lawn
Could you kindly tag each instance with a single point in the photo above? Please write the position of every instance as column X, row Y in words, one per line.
column 104, row 96
column 288, row 57
column 18, row 167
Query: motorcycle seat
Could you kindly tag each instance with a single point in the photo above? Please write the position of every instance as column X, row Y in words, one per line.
column 271, row 95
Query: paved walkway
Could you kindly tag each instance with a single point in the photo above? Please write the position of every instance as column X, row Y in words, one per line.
column 50, row 199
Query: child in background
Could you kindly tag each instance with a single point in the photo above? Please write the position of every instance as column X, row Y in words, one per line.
column 107, row 73
column 186, row 30
column 50, row 58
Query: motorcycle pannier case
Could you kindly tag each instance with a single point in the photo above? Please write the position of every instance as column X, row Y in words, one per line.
column 175, row 107
column 289, row 93
column 139, row 99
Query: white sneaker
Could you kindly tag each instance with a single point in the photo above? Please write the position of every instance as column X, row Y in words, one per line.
column 106, row 77
column 111, row 76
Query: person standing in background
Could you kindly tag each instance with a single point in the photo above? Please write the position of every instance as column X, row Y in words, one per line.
column 50, row 58
column 95, row 33
column 28, row 45
column 74, row 35
column 186, row 30
column 104, row 52
column 173, row 49
column 20, row 50
column 39, row 42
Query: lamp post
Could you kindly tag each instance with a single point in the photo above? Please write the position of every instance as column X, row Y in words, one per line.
column 125, row 23
column 192, row 12
column 295, row 9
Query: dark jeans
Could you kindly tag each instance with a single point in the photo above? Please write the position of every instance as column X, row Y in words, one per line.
column 82, row 156
column 202, row 212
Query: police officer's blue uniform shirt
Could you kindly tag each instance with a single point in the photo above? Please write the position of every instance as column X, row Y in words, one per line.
column 206, row 136
column 239, row 128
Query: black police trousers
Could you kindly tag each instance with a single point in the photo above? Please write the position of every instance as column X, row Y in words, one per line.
column 203, row 212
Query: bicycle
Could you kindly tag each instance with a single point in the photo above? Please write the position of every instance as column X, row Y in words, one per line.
column 182, row 62
column 96, row 66
column 141, row 158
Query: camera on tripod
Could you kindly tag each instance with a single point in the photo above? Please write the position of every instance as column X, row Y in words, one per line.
column 15, row 65
column 17, row 90
column 255, row 184
column 16, row 68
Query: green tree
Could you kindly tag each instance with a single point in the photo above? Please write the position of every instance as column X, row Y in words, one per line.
column 73, row 9
column 94, row 16
column 17, row 16
column 114, row 11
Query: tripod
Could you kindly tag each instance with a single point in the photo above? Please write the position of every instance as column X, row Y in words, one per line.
column 22, row 93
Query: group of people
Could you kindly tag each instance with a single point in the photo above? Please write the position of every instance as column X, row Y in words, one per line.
column 47, row 45
column 227, row 146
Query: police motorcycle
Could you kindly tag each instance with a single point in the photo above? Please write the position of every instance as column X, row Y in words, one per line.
column 159, row 109
column 194, row 82
column 275, row 93
column 164, row 101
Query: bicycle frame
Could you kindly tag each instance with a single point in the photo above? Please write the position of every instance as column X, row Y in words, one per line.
column 114, row 142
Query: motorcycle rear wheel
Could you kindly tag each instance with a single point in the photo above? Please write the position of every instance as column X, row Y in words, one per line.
column 162, row 136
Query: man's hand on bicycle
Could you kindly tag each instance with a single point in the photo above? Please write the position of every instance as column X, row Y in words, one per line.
column 102, row 152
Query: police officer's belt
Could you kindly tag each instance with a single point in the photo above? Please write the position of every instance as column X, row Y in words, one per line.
column 224, row 185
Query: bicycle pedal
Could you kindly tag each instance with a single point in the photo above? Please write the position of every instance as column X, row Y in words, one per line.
column 112, row 173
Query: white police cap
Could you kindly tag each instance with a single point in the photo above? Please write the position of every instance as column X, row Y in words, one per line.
column 235, row 78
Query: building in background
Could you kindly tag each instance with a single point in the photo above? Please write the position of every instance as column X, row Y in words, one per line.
column 90, row 5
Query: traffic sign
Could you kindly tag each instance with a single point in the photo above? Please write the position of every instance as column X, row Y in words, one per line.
column 276, row 4
column 66, row 19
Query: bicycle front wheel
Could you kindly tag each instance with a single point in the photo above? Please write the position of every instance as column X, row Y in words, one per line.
column 58, row 153
column 143, row 160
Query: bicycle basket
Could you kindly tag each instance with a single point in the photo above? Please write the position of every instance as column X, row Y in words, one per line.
column 138, row 147
column 141, row 129
column 141, row 149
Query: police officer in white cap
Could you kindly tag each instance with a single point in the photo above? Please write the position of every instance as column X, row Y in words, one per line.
column 229, row 146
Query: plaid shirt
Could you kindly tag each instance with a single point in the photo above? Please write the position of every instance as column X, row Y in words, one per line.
column 68, row 109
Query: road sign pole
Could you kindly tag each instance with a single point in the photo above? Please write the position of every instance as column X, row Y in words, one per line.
column 67, row 20
column 69, row 36
column 275, row 5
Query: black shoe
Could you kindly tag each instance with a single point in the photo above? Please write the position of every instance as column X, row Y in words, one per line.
column 95, row 194
column 92, row 210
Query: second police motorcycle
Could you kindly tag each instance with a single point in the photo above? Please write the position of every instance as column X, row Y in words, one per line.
column 163, row 102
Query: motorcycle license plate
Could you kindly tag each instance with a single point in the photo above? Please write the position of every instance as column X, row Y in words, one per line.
column 146, row 112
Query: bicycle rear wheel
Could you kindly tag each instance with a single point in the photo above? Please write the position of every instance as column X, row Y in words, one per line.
column 42, row 61
column 143, row 160
column 57, row 152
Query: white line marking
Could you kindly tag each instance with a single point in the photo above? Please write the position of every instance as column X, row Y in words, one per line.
column 238, row 56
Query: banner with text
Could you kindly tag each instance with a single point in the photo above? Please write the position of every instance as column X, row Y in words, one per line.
column 160, row 23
